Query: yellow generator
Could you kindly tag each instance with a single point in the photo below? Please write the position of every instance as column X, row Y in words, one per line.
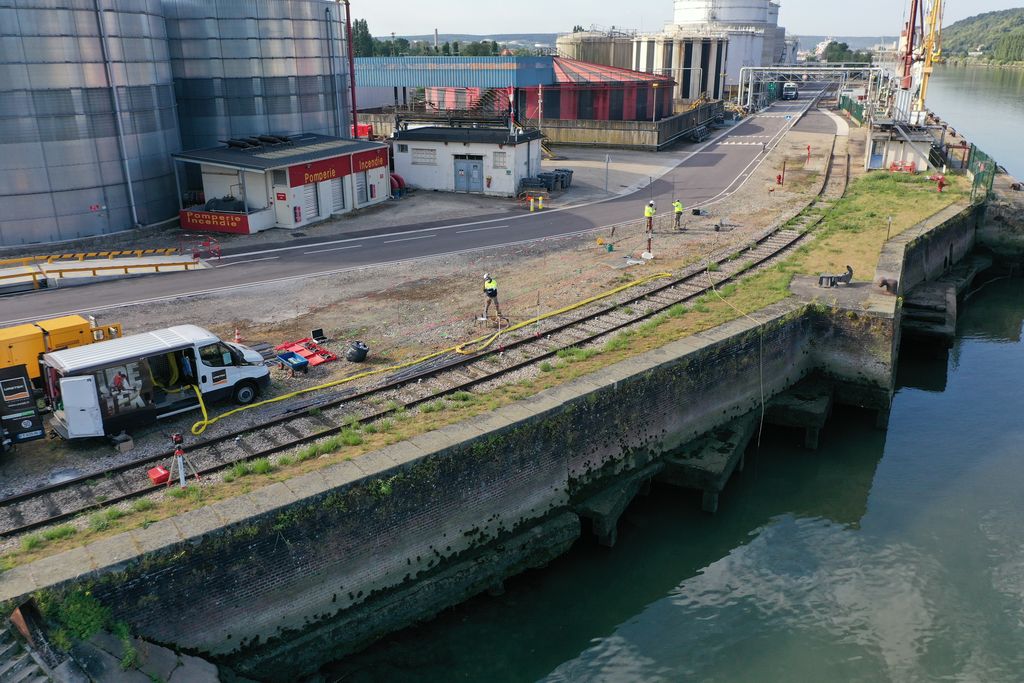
column 24, row 344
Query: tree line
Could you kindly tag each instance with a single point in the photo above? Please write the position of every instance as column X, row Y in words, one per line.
column 1010, row 47
column 365, row 45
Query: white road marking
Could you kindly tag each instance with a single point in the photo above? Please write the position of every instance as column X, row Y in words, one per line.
column 493, row 227
column 320, row 251
column 406, row 239
column 238, row 263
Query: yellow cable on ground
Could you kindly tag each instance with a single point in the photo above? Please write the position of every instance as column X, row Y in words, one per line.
column 466, row 348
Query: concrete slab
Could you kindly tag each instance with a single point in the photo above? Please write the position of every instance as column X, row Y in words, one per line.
column 16, row 582
column 156, row 536
column 852, row 296
column 306, row 485
column 707, row 463
column 70, row 564
column 806, row 405
column 272, row 497
column 605, row 508
column 235, row 510
column 194, row 524
column 194, row 670
column 341, row 474
column 374, row 463
column 110, row 552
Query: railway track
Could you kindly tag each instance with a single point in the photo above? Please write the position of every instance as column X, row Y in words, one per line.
column 328, row 414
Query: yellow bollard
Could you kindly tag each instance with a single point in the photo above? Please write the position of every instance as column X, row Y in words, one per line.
column 540, row 203
column 531, row 204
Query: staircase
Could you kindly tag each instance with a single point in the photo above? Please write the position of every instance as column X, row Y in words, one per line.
column 16, row 664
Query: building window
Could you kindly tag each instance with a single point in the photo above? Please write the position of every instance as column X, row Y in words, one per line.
column 280, row 178
column 424, row 157
column 501, row 160
column 403, row 148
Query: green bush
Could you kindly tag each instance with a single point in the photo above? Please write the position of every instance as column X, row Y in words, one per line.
column 262, row 466
column 351, row 438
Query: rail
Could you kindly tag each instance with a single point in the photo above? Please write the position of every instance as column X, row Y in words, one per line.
column 126, row 268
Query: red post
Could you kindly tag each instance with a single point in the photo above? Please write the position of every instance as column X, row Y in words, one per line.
column 808, row 154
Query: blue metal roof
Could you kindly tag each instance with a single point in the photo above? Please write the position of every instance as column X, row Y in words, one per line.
column 454, row 72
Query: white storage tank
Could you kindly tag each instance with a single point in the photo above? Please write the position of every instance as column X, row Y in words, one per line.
column 723, row 11
column 253, row 67
column 66, row 68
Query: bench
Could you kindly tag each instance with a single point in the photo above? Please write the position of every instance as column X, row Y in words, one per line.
column 831, row 280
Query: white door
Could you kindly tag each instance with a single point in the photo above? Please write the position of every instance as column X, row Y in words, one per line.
column 310, row 205
column 361, row 188
column 81, row 406
column 337, row 195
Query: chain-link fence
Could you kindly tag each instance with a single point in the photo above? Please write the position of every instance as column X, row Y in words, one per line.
column 852, row 107
column 981, row 168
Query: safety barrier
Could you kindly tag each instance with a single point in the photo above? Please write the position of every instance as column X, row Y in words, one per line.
column 34, row 274
column 95, row 270
column 81, row 256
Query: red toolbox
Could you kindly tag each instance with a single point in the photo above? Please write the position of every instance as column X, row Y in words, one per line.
column 308, row 349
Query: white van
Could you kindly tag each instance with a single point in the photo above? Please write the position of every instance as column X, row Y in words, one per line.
column 108, row 386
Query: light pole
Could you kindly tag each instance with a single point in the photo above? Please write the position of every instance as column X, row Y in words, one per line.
column 889, row 229
column 654, row 101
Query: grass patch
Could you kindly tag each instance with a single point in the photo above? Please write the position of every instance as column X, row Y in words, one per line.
column 546, row 367
column 713, row 267
column 100, row 521
column 385, row 425
column 143, row 505
column 352, row 422
column 241, row 469
column 575, row 354
column 285, row 461
column 432, row 406
column 462, row 396
column 262, row 466
column 350, row 437
column 58, row 533
column 30, row 543
column 618, row 342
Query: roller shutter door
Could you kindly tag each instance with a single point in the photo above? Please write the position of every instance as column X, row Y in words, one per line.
column 361, row 188
column 310, row 205
column 337, row 195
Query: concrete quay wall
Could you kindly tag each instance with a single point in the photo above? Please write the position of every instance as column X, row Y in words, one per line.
column 328, row 561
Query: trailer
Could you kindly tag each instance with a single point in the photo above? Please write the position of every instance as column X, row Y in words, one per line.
column 110, row 386
column 25, row 344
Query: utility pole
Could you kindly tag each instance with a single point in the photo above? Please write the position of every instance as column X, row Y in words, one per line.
column 607, row 160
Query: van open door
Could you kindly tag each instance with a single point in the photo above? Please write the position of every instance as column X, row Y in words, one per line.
column 82, row 415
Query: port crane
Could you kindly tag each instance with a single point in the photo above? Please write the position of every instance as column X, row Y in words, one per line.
column 920, row 50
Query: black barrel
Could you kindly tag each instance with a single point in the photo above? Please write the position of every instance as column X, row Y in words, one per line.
column 357, row 351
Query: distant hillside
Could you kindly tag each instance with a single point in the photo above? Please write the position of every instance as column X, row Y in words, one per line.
column 500, row 38
column 983, row 31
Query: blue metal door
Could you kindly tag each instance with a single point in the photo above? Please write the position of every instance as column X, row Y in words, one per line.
column 462, row 175
column 476, row 176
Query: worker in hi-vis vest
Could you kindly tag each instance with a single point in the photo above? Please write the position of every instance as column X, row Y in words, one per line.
column 677, row 207
column 491, row 290
column 649, row 212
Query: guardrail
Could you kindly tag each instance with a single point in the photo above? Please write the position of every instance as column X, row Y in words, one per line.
column 59, row 274
column 81, row 256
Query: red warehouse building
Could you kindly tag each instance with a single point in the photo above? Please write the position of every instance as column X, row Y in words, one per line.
column 579, row 90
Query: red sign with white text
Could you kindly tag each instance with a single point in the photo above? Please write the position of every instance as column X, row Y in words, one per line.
column 319, row 171
column 216, row 222
column 282, row 197
column 373, row 158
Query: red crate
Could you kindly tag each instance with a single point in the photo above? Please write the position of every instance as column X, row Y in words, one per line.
column 159, row 475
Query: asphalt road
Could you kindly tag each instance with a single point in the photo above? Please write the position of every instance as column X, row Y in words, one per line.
column 713, row 171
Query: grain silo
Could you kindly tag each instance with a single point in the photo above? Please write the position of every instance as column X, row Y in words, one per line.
column 253, row 67
column 87, row 119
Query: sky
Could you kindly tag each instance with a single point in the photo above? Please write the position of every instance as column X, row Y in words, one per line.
column 807, row 17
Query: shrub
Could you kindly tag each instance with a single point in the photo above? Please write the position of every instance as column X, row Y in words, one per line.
column 462, row 396
column 432, row 407
column 546, row 367
column 63, row 531
column 29, row 543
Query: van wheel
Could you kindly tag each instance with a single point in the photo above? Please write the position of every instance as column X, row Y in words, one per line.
column 245, row 393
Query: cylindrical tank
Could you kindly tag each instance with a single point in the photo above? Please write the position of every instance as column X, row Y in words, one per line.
column 597, row 48
column 253, row 67
column 722, row 11
column 64, row 155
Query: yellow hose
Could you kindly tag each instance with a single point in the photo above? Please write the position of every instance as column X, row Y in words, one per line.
column 466, row 348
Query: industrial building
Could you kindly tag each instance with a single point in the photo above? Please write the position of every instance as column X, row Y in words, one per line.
column 96, row 95
column 576, row 90
column 281, row 182
column 749, row 27
column 490, row 161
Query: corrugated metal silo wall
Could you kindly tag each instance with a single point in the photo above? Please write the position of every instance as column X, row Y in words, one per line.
column 61, row 169
column 251, row 67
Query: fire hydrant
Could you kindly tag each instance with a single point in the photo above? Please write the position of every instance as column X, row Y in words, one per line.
column 778, row 179
column 942, row 183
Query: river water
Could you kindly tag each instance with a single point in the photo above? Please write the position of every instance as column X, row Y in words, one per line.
column 891, row 555
column 987, row 105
